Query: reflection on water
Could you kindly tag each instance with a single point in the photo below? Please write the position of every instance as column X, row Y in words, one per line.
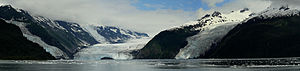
column 282, row 64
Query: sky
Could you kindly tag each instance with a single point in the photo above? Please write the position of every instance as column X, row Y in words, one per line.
column 148, row 16
column 186, row 5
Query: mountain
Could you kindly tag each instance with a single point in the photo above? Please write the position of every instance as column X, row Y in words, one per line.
column 15, row 46
column 272, row 33
column 113, row 35
column 61, row 38
column 168, row 43
column 239, row 34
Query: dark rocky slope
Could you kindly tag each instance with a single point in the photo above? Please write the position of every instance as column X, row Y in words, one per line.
column 15, row 46
column 167, row 43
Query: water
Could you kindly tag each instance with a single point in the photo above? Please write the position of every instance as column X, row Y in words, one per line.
column 281, row 64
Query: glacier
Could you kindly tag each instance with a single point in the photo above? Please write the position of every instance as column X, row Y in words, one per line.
column 54, row 51
column 115, row 51
column 91, row 29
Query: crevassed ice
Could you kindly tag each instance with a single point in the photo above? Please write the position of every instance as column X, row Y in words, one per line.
column 201, row 42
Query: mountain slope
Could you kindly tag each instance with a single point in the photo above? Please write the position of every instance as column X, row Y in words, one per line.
column 15, row 46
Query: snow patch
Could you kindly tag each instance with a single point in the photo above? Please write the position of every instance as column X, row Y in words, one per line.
column 49, row 22
column 272, row 12
column 114, row 30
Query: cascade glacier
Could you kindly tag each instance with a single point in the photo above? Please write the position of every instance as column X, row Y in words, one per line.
column 54, row 51
column 216, row 26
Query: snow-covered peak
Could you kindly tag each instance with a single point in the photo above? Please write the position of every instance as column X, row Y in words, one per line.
column 5, row 5
column 10, row 7
column 216, row 14
column 278, row 11
column 218, row 18
column 1, row 4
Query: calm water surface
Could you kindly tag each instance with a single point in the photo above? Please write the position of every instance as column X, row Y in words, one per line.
column 280, row 64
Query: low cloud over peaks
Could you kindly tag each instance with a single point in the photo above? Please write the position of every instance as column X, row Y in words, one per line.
column 290, row 3
column 212, row 3
column 118, row 13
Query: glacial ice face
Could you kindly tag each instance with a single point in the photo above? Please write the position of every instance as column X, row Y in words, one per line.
column 115, row 51
column 215, row 28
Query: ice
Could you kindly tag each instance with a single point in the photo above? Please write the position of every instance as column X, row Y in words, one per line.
column 202, row 42
column 91, row 29
column 54, row 51
column 115, row 51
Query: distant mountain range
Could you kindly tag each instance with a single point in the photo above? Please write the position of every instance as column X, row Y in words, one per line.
column 61, row 38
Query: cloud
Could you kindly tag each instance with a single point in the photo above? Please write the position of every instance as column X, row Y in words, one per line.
column 291, row 3
column 122, row 13
column 118, row 13
column 253, row 5
column 212, row 3
column 157, row 6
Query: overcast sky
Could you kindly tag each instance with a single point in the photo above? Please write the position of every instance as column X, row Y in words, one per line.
column 149, row 16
